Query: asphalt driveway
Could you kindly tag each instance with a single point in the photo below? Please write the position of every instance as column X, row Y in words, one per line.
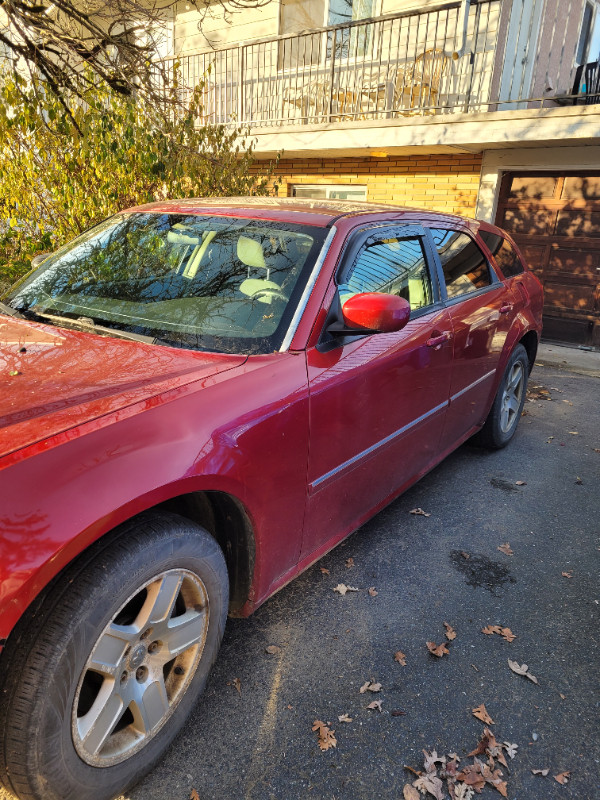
column 254, row 739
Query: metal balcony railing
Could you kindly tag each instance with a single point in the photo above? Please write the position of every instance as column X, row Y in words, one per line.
column 394, row 66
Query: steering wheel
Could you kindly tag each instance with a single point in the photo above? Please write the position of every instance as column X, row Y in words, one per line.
column 273, row 294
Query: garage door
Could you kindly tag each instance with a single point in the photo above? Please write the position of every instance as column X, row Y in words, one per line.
column 555, row 220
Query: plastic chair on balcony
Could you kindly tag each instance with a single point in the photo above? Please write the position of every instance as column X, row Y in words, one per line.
column 587, row 84
column 417, row 85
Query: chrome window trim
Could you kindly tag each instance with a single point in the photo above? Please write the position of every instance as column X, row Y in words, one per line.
column 293, row 326
column 473, row 385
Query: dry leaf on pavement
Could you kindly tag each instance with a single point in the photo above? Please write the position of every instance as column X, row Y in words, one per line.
column 522, row 669
column 419, row 512
column 341, row 588
column 542, row 772
column 506, row 549
column 410, row 793
column 373, row 591
column 568, row 574
column 430, row 784
column 272, row 649
column 194, row 795
column 471, row 775
column 438, row 650
column 236, row 683
column 511, row 749
column 463, row 792
column 490, row 629
column 431, row 759
column 450, row 632
column 562, row 777
column 349, row 562
column 324, row 571
column 574, row 433
column 481, row 713
column 370, row 686
column 325, row 734
column 520, row 483
column 400, row 657
column 344, row 718
column 376, row 704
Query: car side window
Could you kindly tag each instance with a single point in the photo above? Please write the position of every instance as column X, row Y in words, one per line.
column 504, row 253
column 465, row 267
column 390, row 265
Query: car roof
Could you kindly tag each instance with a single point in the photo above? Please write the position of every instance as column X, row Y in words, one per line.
column 320, row 213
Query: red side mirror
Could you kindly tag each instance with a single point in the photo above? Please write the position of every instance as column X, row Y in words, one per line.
column 376, row 311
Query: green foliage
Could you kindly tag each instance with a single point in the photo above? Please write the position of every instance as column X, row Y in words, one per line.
column 64, row 167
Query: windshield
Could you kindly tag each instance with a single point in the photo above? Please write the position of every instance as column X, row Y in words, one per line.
column 202, row 282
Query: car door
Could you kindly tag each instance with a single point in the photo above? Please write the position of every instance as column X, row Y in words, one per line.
column 482, row 309
column 377, row 402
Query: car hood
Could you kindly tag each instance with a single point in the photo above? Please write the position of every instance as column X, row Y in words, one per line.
column 54, row 379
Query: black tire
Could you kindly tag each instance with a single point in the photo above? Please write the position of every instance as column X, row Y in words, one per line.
column 501, row 423
column 52, row 712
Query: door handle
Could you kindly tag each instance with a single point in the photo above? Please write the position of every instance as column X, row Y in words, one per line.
column 438, row 341
column 505, row 309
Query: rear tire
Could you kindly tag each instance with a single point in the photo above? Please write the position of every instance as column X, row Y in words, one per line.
column 104, row 672
column 503, row 419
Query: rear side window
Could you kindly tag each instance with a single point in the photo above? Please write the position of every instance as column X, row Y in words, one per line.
column 504, row 253
column 465, row 266
column 393, row 266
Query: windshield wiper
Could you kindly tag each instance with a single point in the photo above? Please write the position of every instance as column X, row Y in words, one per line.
column 10, row 311
column 88, row 324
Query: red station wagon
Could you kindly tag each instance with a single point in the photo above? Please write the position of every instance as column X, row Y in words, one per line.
column 199, row 399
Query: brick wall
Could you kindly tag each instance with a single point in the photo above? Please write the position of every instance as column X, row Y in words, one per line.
column 438, row 182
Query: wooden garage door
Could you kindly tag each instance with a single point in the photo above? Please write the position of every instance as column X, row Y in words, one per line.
column 555, row 220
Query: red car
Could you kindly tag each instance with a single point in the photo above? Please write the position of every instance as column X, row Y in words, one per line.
column 201, row 398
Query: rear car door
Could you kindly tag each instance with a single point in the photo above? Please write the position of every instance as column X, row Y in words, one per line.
column 482, row 309
column 377, row 403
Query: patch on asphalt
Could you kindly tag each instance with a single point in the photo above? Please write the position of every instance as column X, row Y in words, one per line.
column 506, row 486
column 480, row 571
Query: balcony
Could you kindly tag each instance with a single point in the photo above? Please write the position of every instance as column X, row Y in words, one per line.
column 453, row 59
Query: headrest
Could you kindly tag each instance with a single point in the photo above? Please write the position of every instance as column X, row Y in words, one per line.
column 250, row 252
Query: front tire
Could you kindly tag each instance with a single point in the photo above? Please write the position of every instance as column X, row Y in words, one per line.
column 95, row 685
column 501, row 423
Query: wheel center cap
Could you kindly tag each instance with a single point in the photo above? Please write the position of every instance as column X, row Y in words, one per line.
column 137, row 656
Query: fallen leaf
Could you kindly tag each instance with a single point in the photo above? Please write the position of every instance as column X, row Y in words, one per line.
column 507, row 634
column 410, row 793
column 325, row 734
column 465, row 555
column 430, row 784
column 411, row 769
column 490, row 629
column 568, row 574
column 522, row 669
column 568, row 402
column 194, row 795
column 438, row 650
column 373, row 591
column 578, row 481
column 543, row 772
column 471, row 775
column 237, row 684
column 573, row 433
column 463, row 792
column 431, row 759
column 563, row 696
column 272, row 649
column 341, row 588
column 376, row 704
column 419, row 512
column 324, row 571
column 520, row 483
column 481, row 713
column 364, row 687
column 344, row 718
column 596, row 449
column 450, row 632
column 487, row 741
column 511, row 749
column 505, row 548
column 549, row 439
column 400, row 657
column 349, row 562
column 494, row 777
column 563, row 777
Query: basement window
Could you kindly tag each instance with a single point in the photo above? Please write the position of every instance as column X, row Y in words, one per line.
column 330, row 191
